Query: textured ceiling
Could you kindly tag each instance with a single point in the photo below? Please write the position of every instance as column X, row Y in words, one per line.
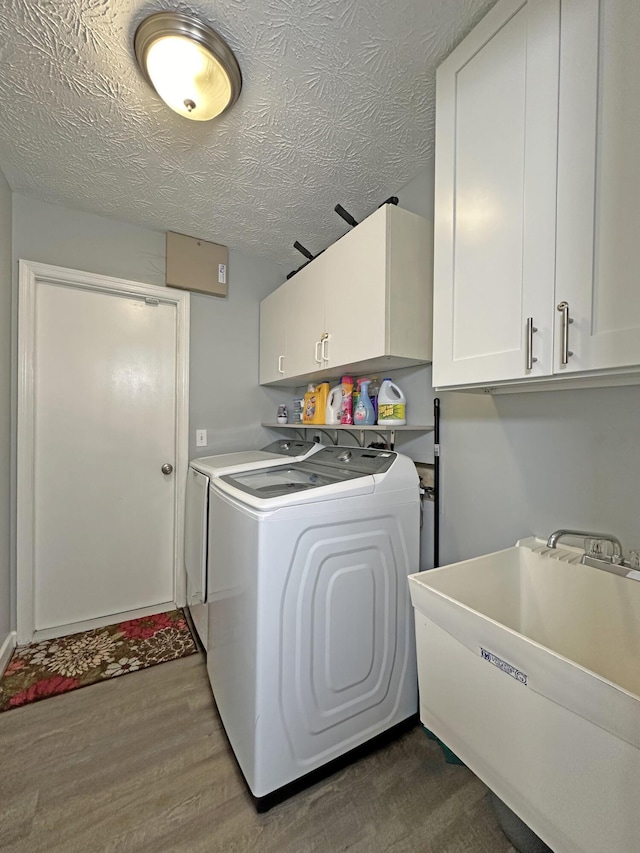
column 337, row 106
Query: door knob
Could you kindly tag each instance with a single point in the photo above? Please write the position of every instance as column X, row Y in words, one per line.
column 167, row 468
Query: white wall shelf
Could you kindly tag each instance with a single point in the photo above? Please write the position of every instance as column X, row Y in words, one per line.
column 358, row 432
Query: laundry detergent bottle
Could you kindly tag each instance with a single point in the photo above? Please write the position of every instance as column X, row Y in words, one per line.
column 309, row 411
column 334, row 405
column 363, row 414
column 346, row 409
column 392, row 405
column 322, row 394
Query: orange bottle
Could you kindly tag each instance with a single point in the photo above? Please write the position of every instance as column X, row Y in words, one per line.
column 322, row 395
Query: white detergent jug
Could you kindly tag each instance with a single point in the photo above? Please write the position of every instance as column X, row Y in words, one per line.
column 392, row 405
column 334, row 405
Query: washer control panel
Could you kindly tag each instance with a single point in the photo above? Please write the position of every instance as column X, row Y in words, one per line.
column 289, row 447
column 362, row 459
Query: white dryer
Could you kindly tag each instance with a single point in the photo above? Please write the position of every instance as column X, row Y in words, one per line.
column 201, row 472
column 311, row 639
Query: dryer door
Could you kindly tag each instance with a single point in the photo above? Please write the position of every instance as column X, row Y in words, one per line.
column 195, row 536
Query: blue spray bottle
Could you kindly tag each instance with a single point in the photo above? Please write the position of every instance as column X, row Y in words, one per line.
column 363, row 414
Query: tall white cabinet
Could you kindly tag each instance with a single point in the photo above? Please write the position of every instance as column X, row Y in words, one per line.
column 536, row 231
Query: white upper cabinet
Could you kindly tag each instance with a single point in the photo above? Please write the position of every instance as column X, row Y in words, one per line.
column 598, row 258
column 304, row 312
column 355, row 293
column 496, row 132
column 363, row 304
column 291, row 321
column 273, row 336
column 537, row 182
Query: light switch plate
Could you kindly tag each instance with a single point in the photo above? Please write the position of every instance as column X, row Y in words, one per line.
column 201, row 438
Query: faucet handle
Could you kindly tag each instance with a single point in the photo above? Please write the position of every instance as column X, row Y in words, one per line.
column 634, row 558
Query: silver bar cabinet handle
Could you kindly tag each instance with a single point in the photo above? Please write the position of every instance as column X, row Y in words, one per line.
column 280, row 364
column 566, row 353
column 530, row 330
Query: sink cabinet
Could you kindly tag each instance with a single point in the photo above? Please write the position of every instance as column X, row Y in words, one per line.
column 514, row 676
column 536, row 188
column 364, row 303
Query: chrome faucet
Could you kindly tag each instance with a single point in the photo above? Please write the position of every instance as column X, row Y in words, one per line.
column 605, row 537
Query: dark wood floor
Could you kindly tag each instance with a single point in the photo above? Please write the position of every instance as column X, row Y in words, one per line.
column 140, row 763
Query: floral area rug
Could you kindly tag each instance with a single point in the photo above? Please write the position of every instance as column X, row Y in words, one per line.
column 66, row 663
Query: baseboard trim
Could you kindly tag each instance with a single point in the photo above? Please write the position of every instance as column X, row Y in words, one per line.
column 101, row 621
column 7, row 647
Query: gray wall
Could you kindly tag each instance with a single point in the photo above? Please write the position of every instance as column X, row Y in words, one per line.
column 417, row 196
column 512, row 465
column 225, row 397
column 528, row 463
column 5, row 408
column 82, row 241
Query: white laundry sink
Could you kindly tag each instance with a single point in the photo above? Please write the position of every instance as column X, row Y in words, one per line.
column 529, row 670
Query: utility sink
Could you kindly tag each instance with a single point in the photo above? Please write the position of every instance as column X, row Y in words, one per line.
column 529, row 670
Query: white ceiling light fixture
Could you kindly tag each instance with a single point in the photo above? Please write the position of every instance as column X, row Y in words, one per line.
column 188, row 64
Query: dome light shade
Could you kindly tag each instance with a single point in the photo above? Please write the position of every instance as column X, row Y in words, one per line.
column 188, row 64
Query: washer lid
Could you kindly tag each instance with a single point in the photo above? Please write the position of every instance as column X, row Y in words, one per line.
column 299, row 483
column 275, row 453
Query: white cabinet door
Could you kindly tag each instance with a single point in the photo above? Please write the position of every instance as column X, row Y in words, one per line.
column 496, row 150
column 355, row 294
column 378, row 296
column 599, row 184
column 273, row 341
column 304, row 311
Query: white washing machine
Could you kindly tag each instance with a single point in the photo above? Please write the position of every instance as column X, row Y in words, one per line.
column 311, row 639
column 201, row 472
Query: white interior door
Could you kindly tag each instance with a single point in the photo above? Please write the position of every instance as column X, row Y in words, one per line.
column 106, row 394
